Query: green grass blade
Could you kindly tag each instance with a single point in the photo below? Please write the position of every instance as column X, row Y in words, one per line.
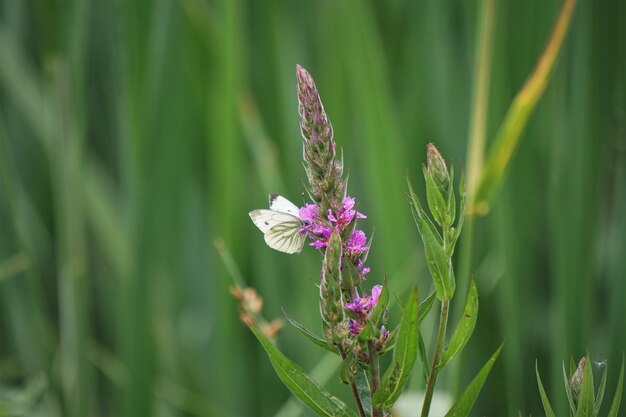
column 618, row 393
column 464, row 403
column 568, row 391
column 514, row 123
column 600, row 394
column 544, row 398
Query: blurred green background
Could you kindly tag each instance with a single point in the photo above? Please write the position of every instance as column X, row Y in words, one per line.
column 133, row 134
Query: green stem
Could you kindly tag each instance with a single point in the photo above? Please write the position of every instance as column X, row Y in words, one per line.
column 355, row 391
column 475, row 153
column 482, row 74
column 374, row 375
column 432, row 377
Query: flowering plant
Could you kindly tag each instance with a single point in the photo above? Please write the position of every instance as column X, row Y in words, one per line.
column 354, row 320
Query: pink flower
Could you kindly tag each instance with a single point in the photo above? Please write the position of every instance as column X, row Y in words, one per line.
column 308, row 213
column 364, row 305
column 357, row 241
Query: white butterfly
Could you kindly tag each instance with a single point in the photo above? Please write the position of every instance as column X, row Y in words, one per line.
column 281, row 225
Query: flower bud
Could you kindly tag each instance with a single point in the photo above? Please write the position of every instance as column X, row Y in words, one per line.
column 438, row 169
column 323, row 169
column 331, row 299
column 576, row 380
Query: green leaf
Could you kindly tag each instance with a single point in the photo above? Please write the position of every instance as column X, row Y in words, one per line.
column 437, row 204
column 363, row 388
column 404, row 354
column 568, row 389
column 586, row 398
column 300, row 384
column 464, row 403
column 544, row 398
column 425, row 307
column 439, row 264
column 464, row 328
column 459, row 225
column 422, row 355
column 308, row 334
column 600, row 395
column 618, row 393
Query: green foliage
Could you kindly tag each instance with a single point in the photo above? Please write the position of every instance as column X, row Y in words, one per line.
column 404, row 353
column 544, row 398
column 617, row 399
column 464, row 328
column 439, row 264
column 182, row 114
column 464, row 403
column 309, row 334
column 580, row 390
column 300, row 384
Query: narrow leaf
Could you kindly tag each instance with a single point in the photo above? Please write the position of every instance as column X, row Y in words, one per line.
column 568, row 390
column 425, row 307
column 363, row 388
column 308, row 334
column 510, row 131
column 300, row 384
column 436, row 203
column 544, row 398
column 600, row 394
column 463, row 405
column 422, row 355
column 438, row 263
column 464, row 328
column 618, row 393
column 586, row 398
column 404, row 355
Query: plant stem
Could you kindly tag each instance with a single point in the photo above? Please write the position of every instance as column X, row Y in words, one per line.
column 374, row 375
column 432, row 377
column 355, row 391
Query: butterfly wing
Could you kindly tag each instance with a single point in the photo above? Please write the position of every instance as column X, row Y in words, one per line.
column 281, row 230
column 266, row 219
column 286, row 237
column 281, row 204
column 281, row 225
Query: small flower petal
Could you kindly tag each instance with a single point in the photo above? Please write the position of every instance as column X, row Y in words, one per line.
column 308, row 213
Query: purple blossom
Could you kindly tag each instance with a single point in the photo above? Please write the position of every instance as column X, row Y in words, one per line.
column 357, row 242
column 384, row 333
column 355, row 327
column 375, row 295
column 308, row 213
column 364, row 305
column 363, row 270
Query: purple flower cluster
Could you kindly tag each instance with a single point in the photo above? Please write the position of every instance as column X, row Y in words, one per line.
column 363, row 306
column 319, row 229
